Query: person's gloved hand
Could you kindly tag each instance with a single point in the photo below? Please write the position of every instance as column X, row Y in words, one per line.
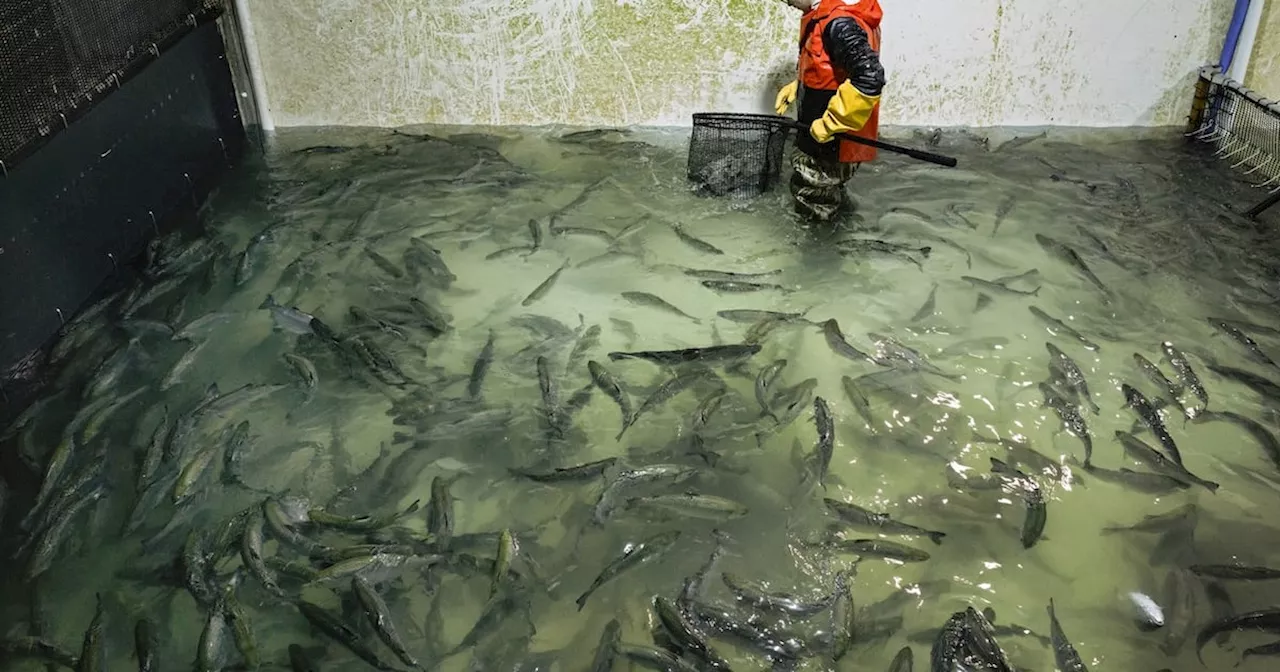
column 786, row 96
column 848, row 110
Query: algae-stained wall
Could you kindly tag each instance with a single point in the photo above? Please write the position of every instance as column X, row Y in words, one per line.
column 614, row 62
column 1264, row 62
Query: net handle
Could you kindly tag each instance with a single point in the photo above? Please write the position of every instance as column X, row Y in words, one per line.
column 917, row 154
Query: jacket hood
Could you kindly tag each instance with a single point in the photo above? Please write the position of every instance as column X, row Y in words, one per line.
column 867, row 10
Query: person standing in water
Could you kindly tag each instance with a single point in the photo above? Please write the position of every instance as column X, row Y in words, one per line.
column 838, row 85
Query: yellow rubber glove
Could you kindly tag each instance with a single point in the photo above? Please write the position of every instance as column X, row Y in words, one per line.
column 786, row 96
column 848, row 110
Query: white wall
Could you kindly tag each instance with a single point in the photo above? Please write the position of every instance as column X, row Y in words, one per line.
column 654, row 62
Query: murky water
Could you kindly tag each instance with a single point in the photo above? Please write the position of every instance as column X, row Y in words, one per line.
column 413, row 253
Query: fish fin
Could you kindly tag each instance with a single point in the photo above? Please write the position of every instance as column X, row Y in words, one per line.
column 924, row 251
column 1036, row 291
column 269, row 303
column 936, row 537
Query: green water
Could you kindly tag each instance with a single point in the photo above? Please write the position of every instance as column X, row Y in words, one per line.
column 1148, row 217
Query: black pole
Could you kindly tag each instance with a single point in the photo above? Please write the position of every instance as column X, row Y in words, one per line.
column 1264, row 205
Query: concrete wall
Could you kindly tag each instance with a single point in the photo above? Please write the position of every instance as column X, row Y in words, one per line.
column 1264, row 62
column 615, row 62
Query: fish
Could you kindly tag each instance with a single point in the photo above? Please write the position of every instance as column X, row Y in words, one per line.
column 359, row 523
column 1034, row 520
column 495, row 612
column 1149, row 417
column 545, row 286
column 983, row 301
column 1254, row 350
column 1261, row 434
column 379, row 617
column 858, row 517
column 1021, row 453
column 967, row 641
column 1060, row 326
column 1236, row 572
column 1163, row 522
column 481, row 368
column 730, row 276
column 928, row 308
column 1003, row 210
column 144, row 645
column 693, row 505
column 684, row 636
column 889, row 350
column 1071, row 419
column 502, row 563
column 210, row 657
column 758, row 596
column 342, row 633
column 1147, row 613
column 1064, row 654
column 632, row 556
column 1185, row 374
column 1156, row 376
column 1258, row 384
column 739, row 287
column 851, row 246
column 675, row 473
column 1220, row 605
column 713, row 353
column 1263, row 620
column 696, row 243
column 589, row 339
column 291, row 320
column 440, row 511
column 655, row 658
column 383, row 263
column 607, row 649
column 878, row 548
column 251, row 552
column 582, row 472
column 844, row 618
column 706, row 408
column 509, row 251
column 1068, row 255
column 667, row 390
column 299, row 662
column 997, row 287
column 1016, row 277
column 1154, row 484
column 838, row 344
column 305, row 370
column 36, row 647
column 764, row 380
column 535, row 234
column 605, row 380
column 856, row 397
column 756, row 316
column 651, row 301
column 241, row 628
column 1138, row 450
column 1060, row 362
column 825, row 447
column 1272, row 649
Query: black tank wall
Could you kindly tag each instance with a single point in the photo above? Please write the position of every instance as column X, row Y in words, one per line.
column 78, row 209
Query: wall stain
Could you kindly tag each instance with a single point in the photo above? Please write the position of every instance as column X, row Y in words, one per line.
column 654, row 62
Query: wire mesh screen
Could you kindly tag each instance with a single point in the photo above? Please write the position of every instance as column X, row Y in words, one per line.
column 1242, row 126
column 57, row 56
column 736, row 155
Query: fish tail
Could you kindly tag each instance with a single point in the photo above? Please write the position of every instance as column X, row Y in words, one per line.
column 269, row 302
column 936, row 537
column 1213, row 487
column 1036, row 291
column 582, row 600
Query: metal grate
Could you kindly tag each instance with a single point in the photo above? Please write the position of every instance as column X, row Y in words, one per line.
column 736, row 154
column 58, row 56
column 1242, row 126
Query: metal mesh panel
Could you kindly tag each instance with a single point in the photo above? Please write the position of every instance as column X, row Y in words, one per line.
column 57, row 56
column 736, row 154
column 1242, row 126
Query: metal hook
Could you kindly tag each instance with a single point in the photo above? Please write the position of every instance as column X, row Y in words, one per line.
column 154, row 227
column 4, row 170
column 155, row 50
column 114, row 268
column 195, row 202
column 1268, row 182
column 61, row 319
column 191, row 19
column 65, row 125
column 1255, row 168
column 1247, row 159
column 1243, row 146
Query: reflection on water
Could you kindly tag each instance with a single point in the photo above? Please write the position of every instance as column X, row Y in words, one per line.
column 387, row 405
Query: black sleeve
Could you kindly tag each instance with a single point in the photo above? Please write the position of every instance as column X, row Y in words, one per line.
column 850, row 50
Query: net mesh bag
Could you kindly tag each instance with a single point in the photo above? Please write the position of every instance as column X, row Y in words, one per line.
column 57, row 55
column 1241, row 125
column 737, row 155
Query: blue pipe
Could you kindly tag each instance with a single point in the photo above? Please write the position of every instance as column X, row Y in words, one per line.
column 1233, row 35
